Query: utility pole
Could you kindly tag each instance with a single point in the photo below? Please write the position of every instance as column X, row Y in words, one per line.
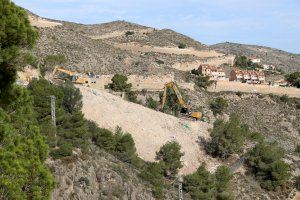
column 53, row 116
column 180, row 191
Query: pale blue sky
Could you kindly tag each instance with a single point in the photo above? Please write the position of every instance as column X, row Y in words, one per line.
column 274, row 23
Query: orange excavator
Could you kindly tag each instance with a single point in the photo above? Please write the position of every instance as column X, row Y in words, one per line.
column 75, row 77
column 185, row 108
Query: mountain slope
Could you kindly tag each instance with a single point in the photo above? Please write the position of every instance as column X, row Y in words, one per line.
column 97, row 47
column 283, row 60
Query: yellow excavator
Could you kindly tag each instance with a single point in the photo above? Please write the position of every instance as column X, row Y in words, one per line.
column 185, row 108
column 75, row 77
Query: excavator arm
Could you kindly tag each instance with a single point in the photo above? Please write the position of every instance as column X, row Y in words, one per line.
column 195, row 115
column 177, row 93
column 70, row 73
column 75, row 77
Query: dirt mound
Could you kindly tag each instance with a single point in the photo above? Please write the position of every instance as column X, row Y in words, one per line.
column 150, row 129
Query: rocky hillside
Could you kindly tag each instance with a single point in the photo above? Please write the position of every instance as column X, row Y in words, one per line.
column 100, row 176
column 283, row 60
column 96, row 47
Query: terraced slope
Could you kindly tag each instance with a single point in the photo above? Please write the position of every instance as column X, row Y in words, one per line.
column 286, row 61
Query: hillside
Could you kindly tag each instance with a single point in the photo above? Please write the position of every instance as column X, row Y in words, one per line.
column 286, row 61
column 119, row 47
column 102, row 146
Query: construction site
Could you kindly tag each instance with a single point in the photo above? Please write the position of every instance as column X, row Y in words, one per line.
column 159, row 97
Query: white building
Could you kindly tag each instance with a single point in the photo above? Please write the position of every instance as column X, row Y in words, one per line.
column 255, row 60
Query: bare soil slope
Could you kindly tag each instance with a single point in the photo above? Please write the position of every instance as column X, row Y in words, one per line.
column 150, row 129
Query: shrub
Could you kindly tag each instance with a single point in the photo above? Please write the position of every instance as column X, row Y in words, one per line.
column 153, row 174
column 84, row 180
column 223, row 184
column 267, row 166
column 294, row 79
column 151, row 103
column 182, row 46
column 128, row 33
column 259, row 137
column 297, row 149
column 119, row 83
column 195, row 72
column 297, row 183
column 104, row 138
column 72, row 100
column 284, row 98
column 239, row 93
column 204, row 185
column 169, row 156
column 218, row 105
column 64, row 150
column 125, row 147
column 203, row 82
column 160, row 62
column 298, row 105
column 226, row 138
column 200, row 185
column 132, row 96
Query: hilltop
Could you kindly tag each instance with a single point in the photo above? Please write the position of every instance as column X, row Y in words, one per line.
column 286, row 61
column 120, row 47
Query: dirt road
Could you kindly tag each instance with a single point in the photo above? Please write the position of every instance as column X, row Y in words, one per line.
column 150, row 129
column 263, row 89
column 169, row 50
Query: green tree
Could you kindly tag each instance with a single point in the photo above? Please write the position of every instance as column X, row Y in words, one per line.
column 294, row 79
column 23, row 150
column 72, row 100
column 151, row 103
column 119, row 83
column 153, row 174
column 203, row 81
column 223, row 183
column 169, row 156
column 125, row 148
column 218, row 105
column 201, row 184
column 226, row 138
column 15, row 33
column 265, row 162
column 22, row 153
column 204, row 185
column 244, row 63
column 104, row 139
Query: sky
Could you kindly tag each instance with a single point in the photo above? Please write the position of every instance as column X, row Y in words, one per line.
column 273, row 23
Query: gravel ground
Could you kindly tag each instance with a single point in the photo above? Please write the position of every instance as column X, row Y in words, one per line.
column 150, row 129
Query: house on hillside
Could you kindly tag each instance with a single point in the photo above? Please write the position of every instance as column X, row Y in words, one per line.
column 247, row 76
column 215, row 73
column 268, row 67
column 255, row 60
column 280, row 83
